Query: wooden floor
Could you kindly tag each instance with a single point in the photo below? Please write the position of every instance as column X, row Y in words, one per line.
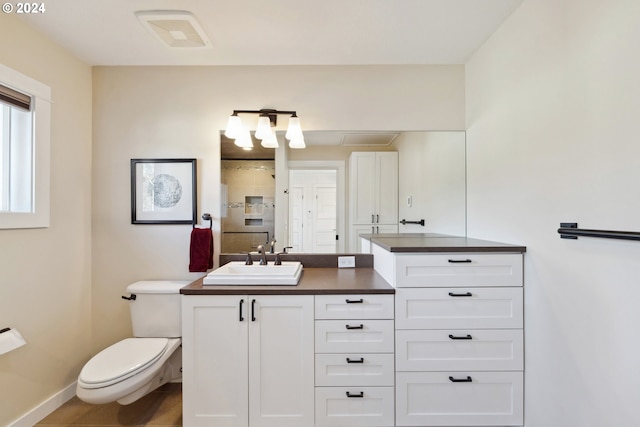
column 162, row 407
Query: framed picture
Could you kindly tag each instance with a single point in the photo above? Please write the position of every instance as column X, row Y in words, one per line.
column 163, row 191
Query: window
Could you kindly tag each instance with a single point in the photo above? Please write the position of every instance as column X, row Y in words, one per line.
column 25, row 116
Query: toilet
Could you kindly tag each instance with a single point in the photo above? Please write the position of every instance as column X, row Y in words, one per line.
column 133, row 367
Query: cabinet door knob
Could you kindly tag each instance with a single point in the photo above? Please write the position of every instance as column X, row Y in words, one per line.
column 361, row 394
column 360, row 326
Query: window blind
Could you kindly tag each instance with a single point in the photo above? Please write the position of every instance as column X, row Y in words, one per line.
column 15, row 98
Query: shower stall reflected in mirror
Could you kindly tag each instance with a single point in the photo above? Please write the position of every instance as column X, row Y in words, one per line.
column 248, row 194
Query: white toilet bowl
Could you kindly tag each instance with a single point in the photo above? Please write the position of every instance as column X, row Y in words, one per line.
column 129, row 369
column 133, row 367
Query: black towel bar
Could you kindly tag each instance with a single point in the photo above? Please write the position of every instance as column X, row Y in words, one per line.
column 570, row 230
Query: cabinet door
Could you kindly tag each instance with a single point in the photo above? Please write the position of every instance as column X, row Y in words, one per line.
column 459, row 308
column 362, row 174
column 281, row 361
column 386, row 188
column 363, row 369
column 458, row 269
column 214, row 360
column 358, row 306
column 355, row 230
column 459, row 398
column 460, row 350
column 354, row 406
column 354, row 336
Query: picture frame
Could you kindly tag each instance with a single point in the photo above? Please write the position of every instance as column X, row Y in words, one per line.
column 163, row 191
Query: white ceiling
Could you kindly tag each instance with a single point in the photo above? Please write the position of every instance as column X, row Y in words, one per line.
column 279, row 32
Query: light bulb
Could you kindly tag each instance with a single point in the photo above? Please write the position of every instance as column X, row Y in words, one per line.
column 244, row 139
column 270, row 141
column 294, row 131
column 264, row 127
column 297, row 143
column 234, row 127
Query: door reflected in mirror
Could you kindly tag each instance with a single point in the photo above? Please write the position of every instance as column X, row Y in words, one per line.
column 300, row 198
column 313, row 211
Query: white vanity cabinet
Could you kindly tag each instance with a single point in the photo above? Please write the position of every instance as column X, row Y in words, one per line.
column 354, row 369
column 248, row 360
column 459, row 338
column 373, row 189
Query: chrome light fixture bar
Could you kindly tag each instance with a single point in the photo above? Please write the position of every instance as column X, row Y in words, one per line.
column 265, row 129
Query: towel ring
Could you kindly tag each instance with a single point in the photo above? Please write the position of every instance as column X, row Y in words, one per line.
column 206, row 217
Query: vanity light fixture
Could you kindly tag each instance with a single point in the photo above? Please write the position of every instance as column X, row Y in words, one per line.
column 265, row 129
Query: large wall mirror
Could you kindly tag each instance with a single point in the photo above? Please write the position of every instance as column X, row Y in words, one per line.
column 299, row 198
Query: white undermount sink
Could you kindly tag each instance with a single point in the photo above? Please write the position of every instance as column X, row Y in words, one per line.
column 237, row 273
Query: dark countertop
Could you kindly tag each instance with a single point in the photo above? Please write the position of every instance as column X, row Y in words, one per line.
column 314, row 281
column 370, row 236
column 431, row 242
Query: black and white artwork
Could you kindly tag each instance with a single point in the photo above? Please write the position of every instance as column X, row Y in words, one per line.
column 163, row 191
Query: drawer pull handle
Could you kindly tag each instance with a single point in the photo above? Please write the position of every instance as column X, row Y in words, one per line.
column 361, row 360
column 253, row 310
column 460, row 261
column 360, row 326
column 240, row 310
column 467, row 337
column 466, row 294
column 460, row 380
column 361, row 394
column 354, row 301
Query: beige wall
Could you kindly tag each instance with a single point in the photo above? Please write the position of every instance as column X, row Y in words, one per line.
column 61, row 286
column 552, row 134
column 45, row 274
column 155, row 112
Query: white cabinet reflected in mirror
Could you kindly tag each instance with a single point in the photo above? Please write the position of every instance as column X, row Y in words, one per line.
column 301, row 198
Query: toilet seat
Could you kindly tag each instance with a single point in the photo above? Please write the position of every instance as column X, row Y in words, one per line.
column 122, row 360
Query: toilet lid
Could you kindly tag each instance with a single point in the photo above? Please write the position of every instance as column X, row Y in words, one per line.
column 123, row 359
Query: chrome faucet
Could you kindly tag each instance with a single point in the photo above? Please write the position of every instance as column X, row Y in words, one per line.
column 272, row 245
column 263, row 255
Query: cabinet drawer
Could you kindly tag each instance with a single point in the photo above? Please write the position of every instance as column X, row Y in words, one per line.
column 459, row 308
column 360, row 369
column 369, row 306
column 459, row 350
column 374, row 408
column 463, row 269
column 432, row 399
column 354, row 336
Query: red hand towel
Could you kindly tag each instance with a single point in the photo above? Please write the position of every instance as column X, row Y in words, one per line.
column 201, row 250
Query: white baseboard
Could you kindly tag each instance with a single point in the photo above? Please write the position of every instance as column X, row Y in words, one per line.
column 45, row 408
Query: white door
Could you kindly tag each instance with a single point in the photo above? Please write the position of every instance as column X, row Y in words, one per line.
column 296, row 215
column 281, row 361
column 313, row 211
column 324, row 220
column 363, row 187
column 386, row 192
column 214, row 360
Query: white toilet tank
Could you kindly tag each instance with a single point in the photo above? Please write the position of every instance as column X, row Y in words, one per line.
column 156, row 309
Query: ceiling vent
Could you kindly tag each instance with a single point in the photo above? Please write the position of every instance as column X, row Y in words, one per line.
column 368, row 139
column 176, row 29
